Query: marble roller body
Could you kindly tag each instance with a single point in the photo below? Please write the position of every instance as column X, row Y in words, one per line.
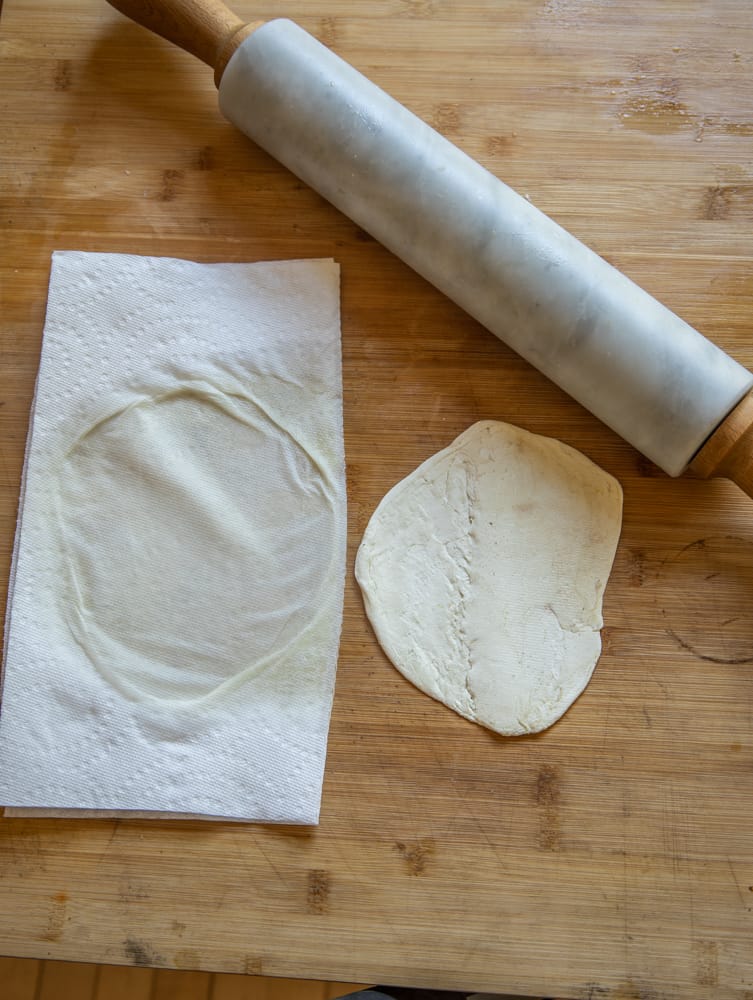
column 632, row 362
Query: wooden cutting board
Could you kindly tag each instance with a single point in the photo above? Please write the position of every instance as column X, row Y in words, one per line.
column 611, row 856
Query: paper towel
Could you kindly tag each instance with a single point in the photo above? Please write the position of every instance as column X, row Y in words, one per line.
column 176, row 592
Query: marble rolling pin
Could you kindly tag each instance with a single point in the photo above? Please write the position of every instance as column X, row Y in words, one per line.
column 649, row 376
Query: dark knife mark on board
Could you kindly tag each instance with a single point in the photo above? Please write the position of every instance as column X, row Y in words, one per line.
column 141, row 952
column 205, row 158
column 415, row 854
column 317, row 893
column 548, row 796
column 170, row 185
column 706, row 963
column 62, row 78
column 56, row 917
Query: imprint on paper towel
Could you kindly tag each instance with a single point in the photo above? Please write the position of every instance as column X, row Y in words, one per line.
column 483, row 574
column 194, row 532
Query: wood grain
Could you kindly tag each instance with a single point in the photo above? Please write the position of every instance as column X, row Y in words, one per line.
column 124, row 982
column 729, row 450
column 179, row 985
column 208, row 30
column 66, row 979
column 609, row 857
column 27, row 979
column 19, row 978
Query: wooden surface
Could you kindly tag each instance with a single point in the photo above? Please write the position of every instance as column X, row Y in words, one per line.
column 729, row 450
column 31, row 979
column 609, row 857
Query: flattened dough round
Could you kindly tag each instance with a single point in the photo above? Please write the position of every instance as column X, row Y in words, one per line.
column 483, row 573
column 197, row 534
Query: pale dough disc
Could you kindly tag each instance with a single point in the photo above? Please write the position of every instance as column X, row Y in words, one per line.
column 197, row 535
column 483, row 573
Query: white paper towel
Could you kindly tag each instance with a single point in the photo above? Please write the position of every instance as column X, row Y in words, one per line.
column 176, row 592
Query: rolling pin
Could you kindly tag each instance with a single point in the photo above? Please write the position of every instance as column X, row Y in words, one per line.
column 643, row 371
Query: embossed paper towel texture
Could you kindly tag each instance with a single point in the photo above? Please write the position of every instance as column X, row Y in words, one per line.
column 177, row 584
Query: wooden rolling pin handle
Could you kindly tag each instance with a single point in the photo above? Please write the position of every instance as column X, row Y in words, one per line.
column 205, row 28
column 729, row 450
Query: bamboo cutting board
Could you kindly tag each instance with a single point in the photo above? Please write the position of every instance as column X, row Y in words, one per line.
column 608, row 857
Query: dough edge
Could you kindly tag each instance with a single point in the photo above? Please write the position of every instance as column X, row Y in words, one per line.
column 381, row 626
